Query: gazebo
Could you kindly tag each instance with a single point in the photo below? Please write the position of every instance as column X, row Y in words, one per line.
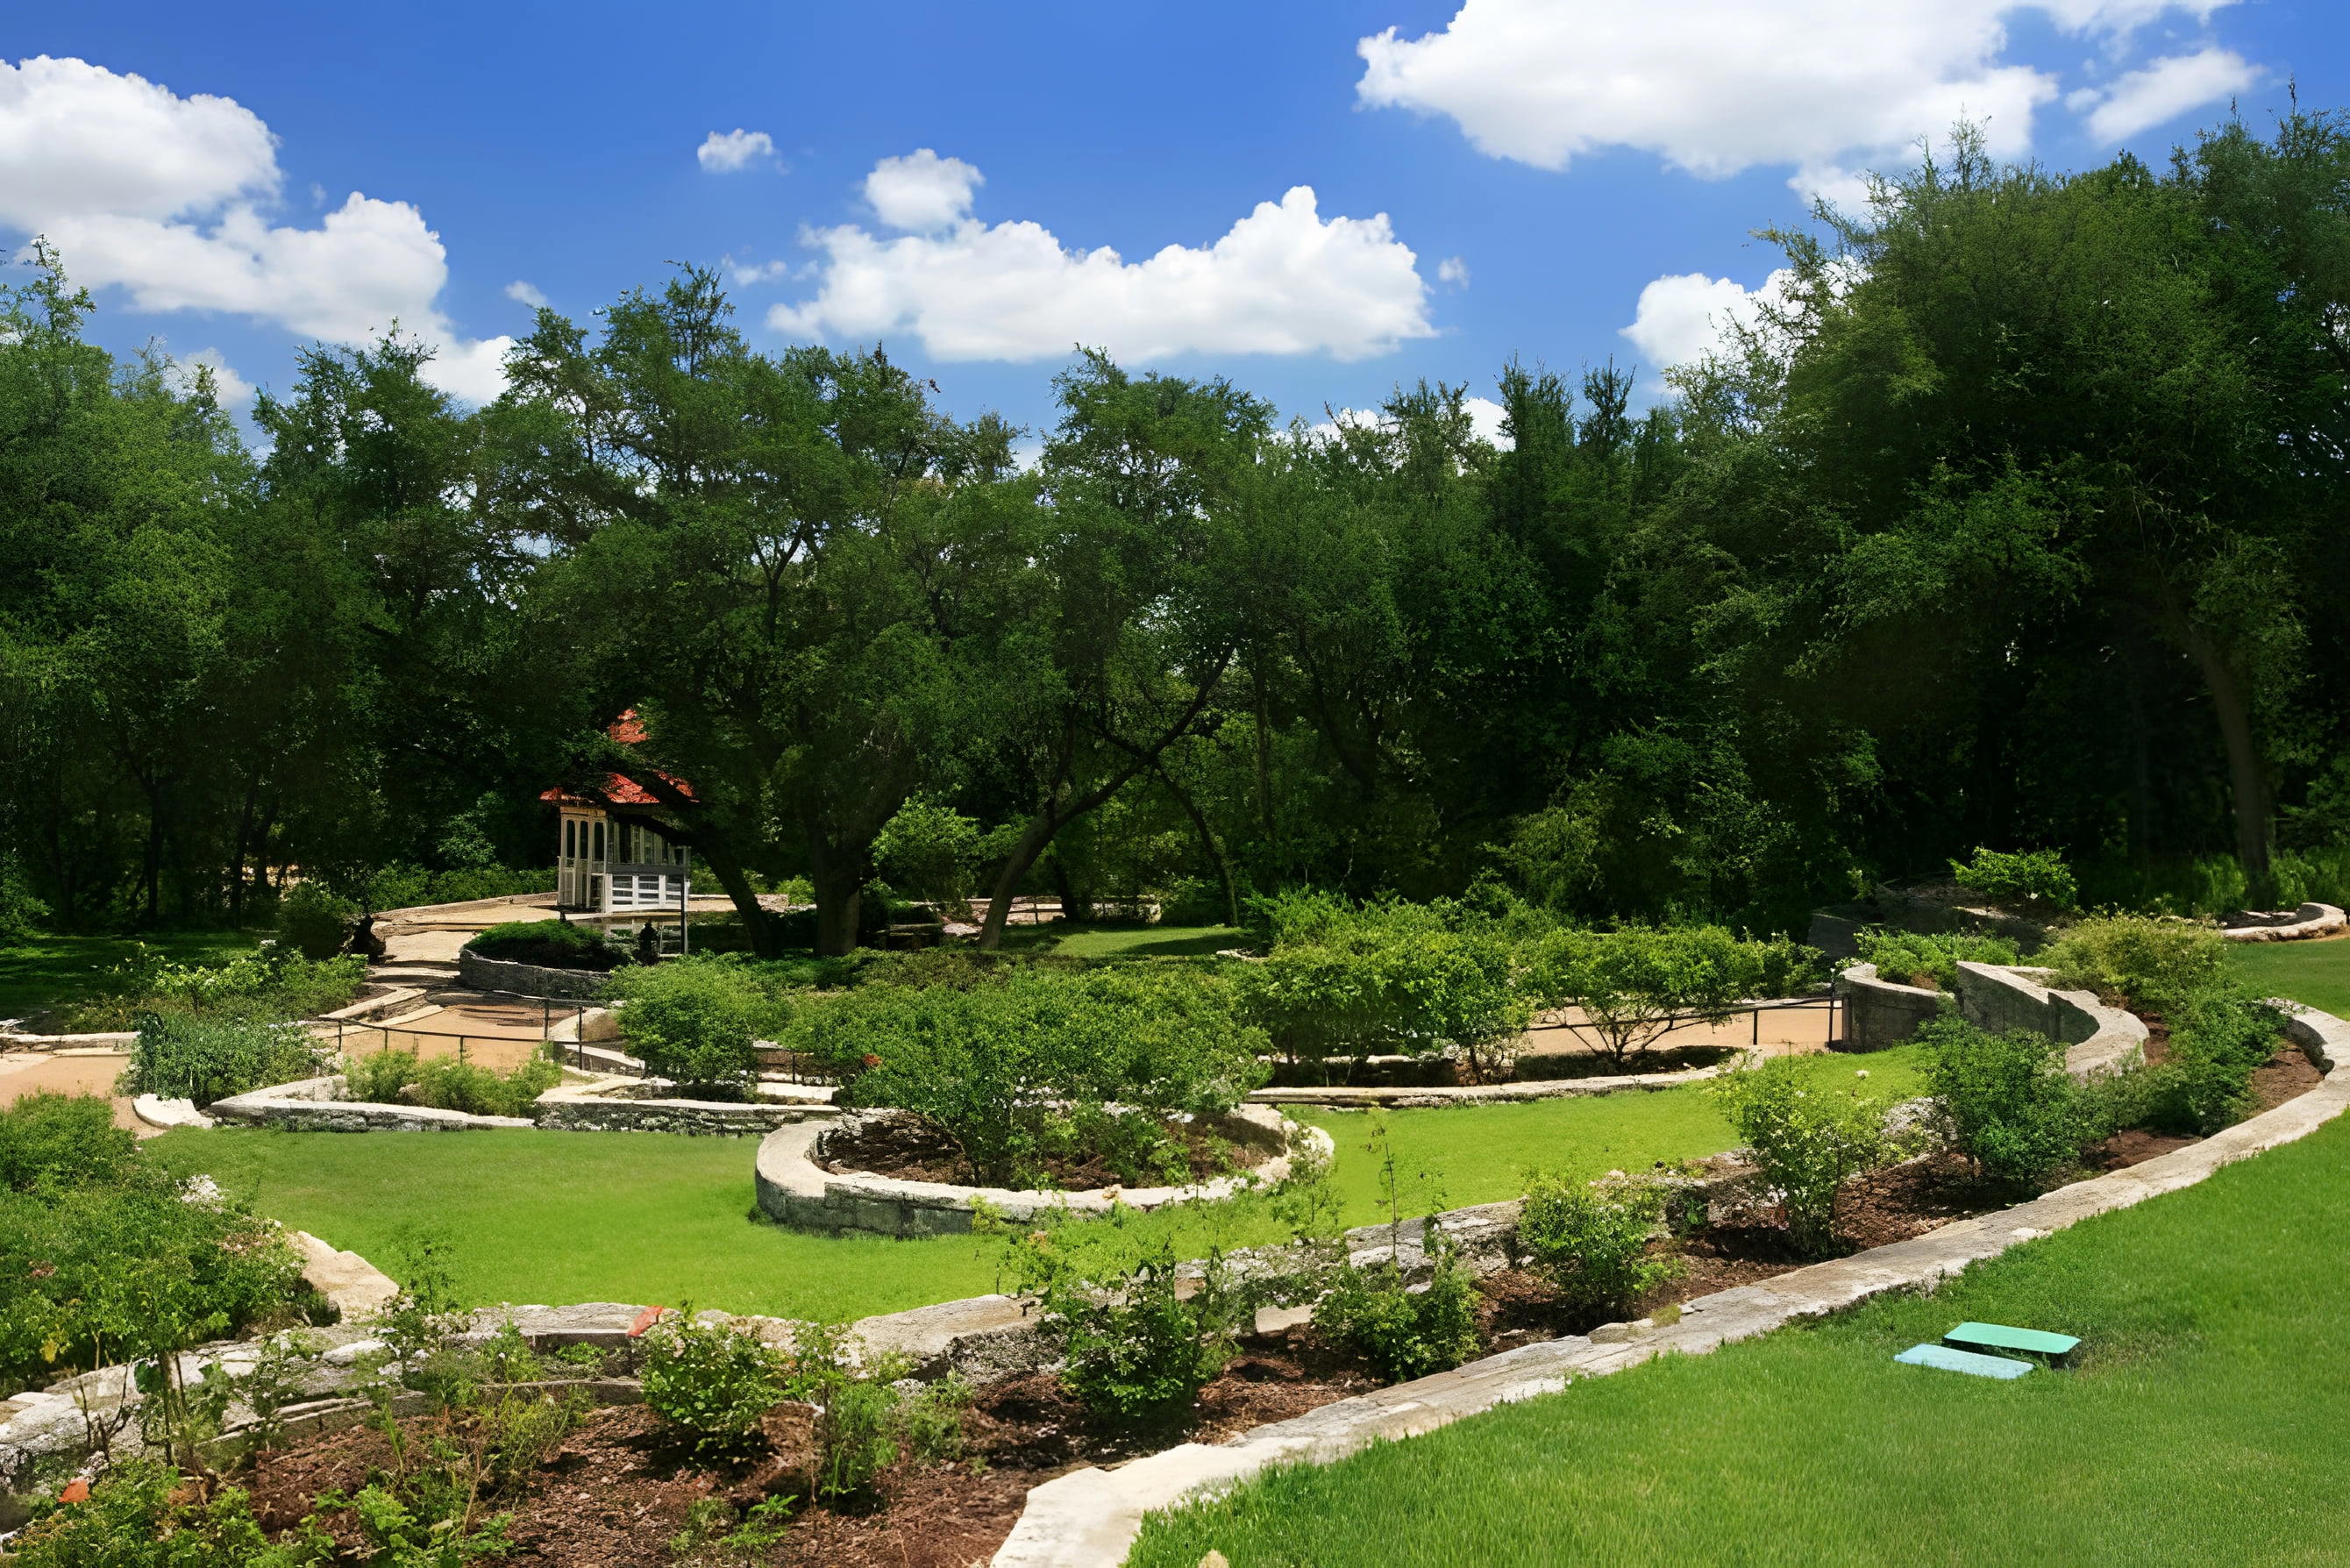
column 609, row 859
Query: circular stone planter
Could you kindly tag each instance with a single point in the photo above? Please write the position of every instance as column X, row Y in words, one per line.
column 797, row 1191
column 479, row 974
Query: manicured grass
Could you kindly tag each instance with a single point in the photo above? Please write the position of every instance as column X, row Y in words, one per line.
column 2317, row 973
column 54, row 971
column 2205, row 1424
column 1077, row 940
column 558, row 1216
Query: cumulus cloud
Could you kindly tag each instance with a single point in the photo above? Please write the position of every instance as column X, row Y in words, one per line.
column 1283, row 280
column 166, row 198
column 2162, row 91
column 232, row 390
column 523, row 292
column 921, row 192
column 1486, row 419
column 732, row 151
column 1454, row 271
column 1716, row 86
column 1684, row 316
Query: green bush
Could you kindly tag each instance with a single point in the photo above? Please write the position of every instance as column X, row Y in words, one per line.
column 141, row 1515
column 2153, row 964
column 1349, row 981
column 314, row 921
column 1911, row 958
column 1591, row 1239
column 402, row 887
column 126, row 1270
column 2031, row 876
column 1012, row 1071
column 2217, row 1040
column 711, row 1380
column 1405, row 1332
column 208, row 1059
column 1808, row 1139
column 696, row 1020
column 1636, row 982
column 550, row 944
column 21, row 913
column 270, row 986
column 2006, row 1101
column 62, row 1140
column 443, row 1083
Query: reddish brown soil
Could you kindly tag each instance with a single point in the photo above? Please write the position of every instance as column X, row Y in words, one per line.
column 908, row 1150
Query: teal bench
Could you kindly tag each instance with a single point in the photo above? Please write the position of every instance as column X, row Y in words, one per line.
column 1999, row 1336
column 1943, row 1358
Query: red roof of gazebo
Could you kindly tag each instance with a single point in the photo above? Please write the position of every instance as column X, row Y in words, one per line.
column 619, row 789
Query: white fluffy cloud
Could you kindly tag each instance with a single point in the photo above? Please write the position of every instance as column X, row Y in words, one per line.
column 732, row 151
column 166, row 197
column 2162, row 91
column 921, row 192
column 522, row 291
column 1283, row 280
column 1454, row 271
column 1684, row 316
column 1715, row 87
column 233, row 389
column 1486, row 418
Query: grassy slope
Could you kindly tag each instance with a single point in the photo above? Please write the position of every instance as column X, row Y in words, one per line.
column 1106, row 941
column 638, row 1216
column 2317, row 973
column 54, row 971
column 2205, row 1425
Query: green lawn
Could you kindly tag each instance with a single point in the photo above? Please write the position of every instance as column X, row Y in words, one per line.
column 54, row 971
column 2205, row 1425
column 1083, row 939
column 2317, row 973
column 556, row 1217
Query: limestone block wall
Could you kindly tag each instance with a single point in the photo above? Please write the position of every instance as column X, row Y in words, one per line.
column 312, row 1105
column 2001, row 999
column 1878, row 1013
column 620, row 1105
column 528, row 979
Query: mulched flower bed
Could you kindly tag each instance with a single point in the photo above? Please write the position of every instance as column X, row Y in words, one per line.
column 903, row 1148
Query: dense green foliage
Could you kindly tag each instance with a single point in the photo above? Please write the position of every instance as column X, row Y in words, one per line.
column 1911, row 957
column 208, row 1059
column 1634, row 983
column 272, row 985
column 2010, row 527
column 556, row 944
column 1591, row 1238
column 61, row 1140
column 1808, row 1138
column 1039, row 1062
column 695, row 1020
column 2026, row 876
column 2006, row 1103
column 443, row 1083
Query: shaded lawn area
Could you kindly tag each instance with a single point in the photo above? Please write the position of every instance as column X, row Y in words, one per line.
column 561, row 1217
column 2316, row 973
column 1087, row 940
column 56, row 971
column 2205, row 1424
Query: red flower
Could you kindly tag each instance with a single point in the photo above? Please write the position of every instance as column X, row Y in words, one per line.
column 871, row 1060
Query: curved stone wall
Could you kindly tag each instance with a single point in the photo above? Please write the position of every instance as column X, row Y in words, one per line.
column 528, row 979
column 311, row 1106
column 1999, row 999
column 1878, row 1013
column 797, row 1191
column 635, row 1106
column 2308, row 920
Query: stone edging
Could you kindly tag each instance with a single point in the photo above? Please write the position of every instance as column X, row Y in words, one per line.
column 1478, row 1094
column 2308, row 920
column 636, row 1105
column 480, row 973
column 310, row 1106
column 2000, row 998
column 1090, row 1517
column 161, row 1112
column 1878, row 1013
column 795, row 1191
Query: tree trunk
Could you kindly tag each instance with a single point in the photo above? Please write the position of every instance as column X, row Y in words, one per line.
column 839, row 900
column 761, row 931
column 2247, row 779
column 1208, row 841
column 1017, row 866
column 1075, row 904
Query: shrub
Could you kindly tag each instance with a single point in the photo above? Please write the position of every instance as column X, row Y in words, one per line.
column 270, row 986
column 21, row 913
column 1011, row 1070
column 1808, row 1141
column 2006, row 1102
column 2031, row 876
column 1405, row 1332
column 1144, row 1352
column 2152, row 964
column 140, row 1515
column 401, row 886
column 62, row 1140
column 1347, row 980
column 314, row 921
column 207, row 1059
column 1591, row 1239
column 551, row 944
column 1636, row 982
column 697, row 1021
column 443, row 1083
column 1911, row 957
column 713, row 1380
column 2217, row 1040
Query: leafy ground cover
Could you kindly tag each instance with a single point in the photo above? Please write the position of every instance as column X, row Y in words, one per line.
column 50, row 971
column 2199, row 1428
column 644, row 1217
column 2317, row 973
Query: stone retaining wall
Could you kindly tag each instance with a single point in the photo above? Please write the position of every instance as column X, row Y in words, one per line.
column 1878, row 1013
column 310, row 1106
column 637, row 1106
column 797, row 1191
column 2308, row 920
column 2103, row 1039
column 529, row 979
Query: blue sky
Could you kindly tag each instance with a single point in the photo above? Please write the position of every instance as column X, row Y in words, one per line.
column 1490, row 178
